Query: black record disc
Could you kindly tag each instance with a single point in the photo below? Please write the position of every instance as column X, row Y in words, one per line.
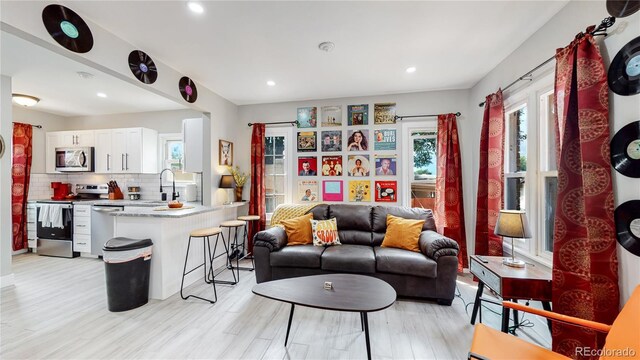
column 624, row 72
column 188, row 89
column 627, row 217
column 67, row 28
column 625, row 150
column 143, row 67
column 622, row 8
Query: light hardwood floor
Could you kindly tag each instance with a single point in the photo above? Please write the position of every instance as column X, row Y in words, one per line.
column 57, row 310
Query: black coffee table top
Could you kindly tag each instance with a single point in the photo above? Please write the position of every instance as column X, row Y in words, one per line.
column 350, row 292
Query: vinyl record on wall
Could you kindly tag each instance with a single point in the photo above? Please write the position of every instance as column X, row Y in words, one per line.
column 624, row 72
column 625, row 150
column 143, row 67
column 627, row 218
column 67, row 28
column 622, row 8
column 188, row 89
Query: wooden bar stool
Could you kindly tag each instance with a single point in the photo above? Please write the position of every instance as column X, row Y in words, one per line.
column 203, row 234
column 234, row 247
column 249, row 223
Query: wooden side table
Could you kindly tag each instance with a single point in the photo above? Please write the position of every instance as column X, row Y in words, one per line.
column 528, row 283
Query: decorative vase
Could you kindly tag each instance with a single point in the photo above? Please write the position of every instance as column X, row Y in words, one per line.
column 238, row 193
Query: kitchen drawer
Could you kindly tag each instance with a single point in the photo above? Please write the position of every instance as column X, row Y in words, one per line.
column 82, row 225
column 82, row 243
column 81, row 210
column 31, row 234
column 31, row 215
column 32, row 243
column 487, row 277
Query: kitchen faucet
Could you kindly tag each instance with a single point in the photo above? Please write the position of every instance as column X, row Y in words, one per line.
column 174, row 194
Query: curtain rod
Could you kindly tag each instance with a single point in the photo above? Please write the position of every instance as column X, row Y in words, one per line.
column 600, row 30
column 35, row 126
column 421, row 116
column 293, row 123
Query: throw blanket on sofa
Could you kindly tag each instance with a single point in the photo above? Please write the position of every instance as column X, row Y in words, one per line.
column 289, row 211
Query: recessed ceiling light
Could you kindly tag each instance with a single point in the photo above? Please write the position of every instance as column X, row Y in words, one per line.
column 24, row 100
column 411, row 69
column 195, row 7
column 102, row 95
column 271, row 83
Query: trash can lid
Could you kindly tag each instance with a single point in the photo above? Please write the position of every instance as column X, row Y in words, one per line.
column 123, row 243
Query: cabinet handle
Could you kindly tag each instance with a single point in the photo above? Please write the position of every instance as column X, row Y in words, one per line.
column 122, row 162
column 108, row 165
column 127, row 160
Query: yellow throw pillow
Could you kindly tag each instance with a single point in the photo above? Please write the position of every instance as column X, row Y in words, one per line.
column 298, row 230
column 402, row 233
column 325, row 232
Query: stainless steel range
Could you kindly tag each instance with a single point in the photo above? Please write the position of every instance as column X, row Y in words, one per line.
column 54, row 228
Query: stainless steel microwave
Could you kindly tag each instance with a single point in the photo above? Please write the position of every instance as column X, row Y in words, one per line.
column 75, row 159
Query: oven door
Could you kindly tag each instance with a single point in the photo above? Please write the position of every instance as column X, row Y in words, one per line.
column 74, row 159
column 50, row 227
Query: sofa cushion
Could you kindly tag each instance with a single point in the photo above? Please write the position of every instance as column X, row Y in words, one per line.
column 404, row 262
column 298, row 230
column 320, row 212
column 402, row 233
column 304, row 256
column 352, row 217
column 379, row 219
column 349, row 258
column 325, row 232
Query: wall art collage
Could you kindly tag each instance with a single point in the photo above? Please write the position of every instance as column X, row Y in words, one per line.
column 353, row 160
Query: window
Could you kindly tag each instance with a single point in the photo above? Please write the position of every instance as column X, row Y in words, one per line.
column 548, row 174
column 423, row 167
column 173, row 158
column 515, row 167
column 276, row 168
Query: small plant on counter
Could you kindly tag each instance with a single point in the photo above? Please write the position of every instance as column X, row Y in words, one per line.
column 240, row 178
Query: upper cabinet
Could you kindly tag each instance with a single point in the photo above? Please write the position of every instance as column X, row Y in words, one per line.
column 116, row 151
column 65, row 139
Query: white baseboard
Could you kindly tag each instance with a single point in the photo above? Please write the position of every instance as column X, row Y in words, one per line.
column 6, row 280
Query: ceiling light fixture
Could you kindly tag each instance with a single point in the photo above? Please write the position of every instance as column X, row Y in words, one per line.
column 24, row 100
column 195, row 7
column 102, row 95
column 326, row 46
column 271, row 83
column 411, row 69
column 85, row 75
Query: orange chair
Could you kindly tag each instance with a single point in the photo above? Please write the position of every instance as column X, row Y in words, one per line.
column 624, row 334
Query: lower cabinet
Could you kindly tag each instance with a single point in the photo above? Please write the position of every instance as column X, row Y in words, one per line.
column 32, row 227
column 82, row 228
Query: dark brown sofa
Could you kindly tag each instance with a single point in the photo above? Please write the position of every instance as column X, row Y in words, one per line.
column 429, row 274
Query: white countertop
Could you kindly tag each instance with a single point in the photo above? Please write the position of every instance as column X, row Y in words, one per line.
column 149, row 211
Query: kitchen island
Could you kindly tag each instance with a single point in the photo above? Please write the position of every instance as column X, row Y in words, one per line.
column 169, row 230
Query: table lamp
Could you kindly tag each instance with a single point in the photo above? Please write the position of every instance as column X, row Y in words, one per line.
column 227, row 182
column 514, row 224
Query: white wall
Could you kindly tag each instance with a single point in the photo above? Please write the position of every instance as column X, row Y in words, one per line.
column 49, row 122
column 162, row 121
column 558, row 33
column 435, row 102
column 6, row 130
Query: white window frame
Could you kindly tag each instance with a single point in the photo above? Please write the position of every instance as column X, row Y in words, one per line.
column 534, row 178
column 162, row 143
column 287, row 133
column 407, row 150
column 546, row 150
column 516, row 106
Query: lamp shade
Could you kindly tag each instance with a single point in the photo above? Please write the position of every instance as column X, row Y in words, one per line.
column 227, row 182
column 512, row 223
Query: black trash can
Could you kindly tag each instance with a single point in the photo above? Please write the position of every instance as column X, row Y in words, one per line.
column 127, row 264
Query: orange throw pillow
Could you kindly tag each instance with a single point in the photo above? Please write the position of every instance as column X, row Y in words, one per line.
column 298, row 230
column 402, row 233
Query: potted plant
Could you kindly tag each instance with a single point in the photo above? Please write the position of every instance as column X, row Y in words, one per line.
column 240, row 178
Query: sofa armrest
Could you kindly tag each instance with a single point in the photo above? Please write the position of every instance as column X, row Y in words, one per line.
column 435, row 245
column 273, row 238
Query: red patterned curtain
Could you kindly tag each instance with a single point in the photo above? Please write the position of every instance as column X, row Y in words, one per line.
column 585, row 265
column 257, row 200
column 490, row 178
column 449, row 209
column 20, row 173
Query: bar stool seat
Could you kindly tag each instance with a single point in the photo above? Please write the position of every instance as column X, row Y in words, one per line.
column 232, row 223
column 249, row 217
column 206, row 232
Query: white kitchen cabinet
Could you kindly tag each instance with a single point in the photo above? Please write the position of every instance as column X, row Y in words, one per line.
column 32, row 226
column 65, row 139
column 193, row 139
column 103, row 155
column 129, row 150
column 82, row 228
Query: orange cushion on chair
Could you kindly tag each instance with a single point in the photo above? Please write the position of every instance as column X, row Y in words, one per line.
column 298, row 230
column 496, row 345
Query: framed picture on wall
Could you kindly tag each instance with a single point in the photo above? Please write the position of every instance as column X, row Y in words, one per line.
column 225, row 152
column 308, row 166
column 384, row 139
column 331, row 140
column 359, row 190
column 308, row 191
column 307, row 141
column 307, row 117
column 386, row 191
column 331, row 116
column 332, row 190
column 358, row 140
column 358, row 114
column 385, row 165
column 332, row 165
column 358, row 165
column 384, row 113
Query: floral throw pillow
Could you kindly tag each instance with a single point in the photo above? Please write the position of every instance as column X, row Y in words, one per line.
column 325, row 232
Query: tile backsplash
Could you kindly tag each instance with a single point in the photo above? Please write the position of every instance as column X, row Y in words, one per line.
column 40, row 186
